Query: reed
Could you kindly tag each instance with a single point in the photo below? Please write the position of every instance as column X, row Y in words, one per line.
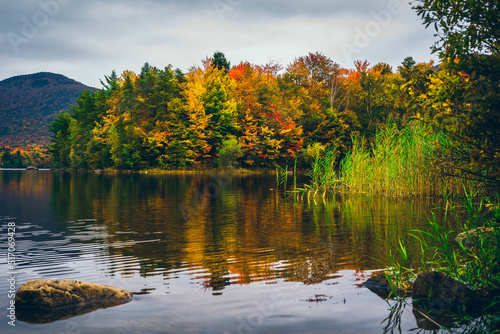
column 324, row 177
column 398, row 163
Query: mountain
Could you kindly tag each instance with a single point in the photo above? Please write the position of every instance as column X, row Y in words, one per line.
column 29, row 103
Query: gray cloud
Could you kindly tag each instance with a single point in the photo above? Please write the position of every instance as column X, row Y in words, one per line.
column 85, row 40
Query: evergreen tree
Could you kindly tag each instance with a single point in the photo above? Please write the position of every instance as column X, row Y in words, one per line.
column 219, row 60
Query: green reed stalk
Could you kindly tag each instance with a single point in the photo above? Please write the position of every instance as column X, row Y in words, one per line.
column 295, row 174
column 399, row 163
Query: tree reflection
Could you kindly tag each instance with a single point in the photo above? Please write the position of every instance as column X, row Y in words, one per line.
column 234, row 227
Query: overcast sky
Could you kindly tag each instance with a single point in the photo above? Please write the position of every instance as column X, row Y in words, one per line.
column 87, row 39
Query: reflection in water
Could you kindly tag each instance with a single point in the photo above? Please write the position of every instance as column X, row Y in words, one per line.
column 234, row 227
column 433, row 322
column 186, row 234
column 41, row 316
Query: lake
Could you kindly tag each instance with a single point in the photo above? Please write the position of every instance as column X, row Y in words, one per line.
column 206, row 253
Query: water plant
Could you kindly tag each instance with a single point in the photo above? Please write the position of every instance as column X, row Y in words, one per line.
column 324, row 176
column 399, row 272
column 398, row 163
column 468, row 253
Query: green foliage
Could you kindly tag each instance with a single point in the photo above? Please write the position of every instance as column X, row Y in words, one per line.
column 59, row 149
column 324, row 176
column 397, row 164
column 472, row 257
column 407, row 67
column 219, row 60
column 398, row 272
column 465, row 27
column 463, row 100
column 229, row 152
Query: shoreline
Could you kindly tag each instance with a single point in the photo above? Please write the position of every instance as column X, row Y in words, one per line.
column 163, row 171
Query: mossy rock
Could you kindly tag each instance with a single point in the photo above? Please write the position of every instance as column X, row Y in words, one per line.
column 43, row 301
column 477, row 236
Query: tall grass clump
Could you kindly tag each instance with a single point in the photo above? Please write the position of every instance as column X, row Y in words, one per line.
column 399, row 162
column 324, row 176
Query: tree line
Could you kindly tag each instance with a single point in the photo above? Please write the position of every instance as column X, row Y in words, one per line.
column 217, row 114
column 31, row 155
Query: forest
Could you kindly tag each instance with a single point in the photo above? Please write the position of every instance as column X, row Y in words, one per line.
column 250, row 115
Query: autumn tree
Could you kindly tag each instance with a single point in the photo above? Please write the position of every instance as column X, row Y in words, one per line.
column 210, row 107
column 463, row 101
column 316, row 81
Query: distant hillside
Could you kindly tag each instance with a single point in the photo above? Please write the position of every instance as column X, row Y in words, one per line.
column 29, row 103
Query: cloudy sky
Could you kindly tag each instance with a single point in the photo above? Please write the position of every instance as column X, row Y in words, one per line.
column 87, row 39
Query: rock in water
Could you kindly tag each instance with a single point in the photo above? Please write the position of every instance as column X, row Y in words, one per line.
column 43, row 301
column 380, row 285
column 437, row 292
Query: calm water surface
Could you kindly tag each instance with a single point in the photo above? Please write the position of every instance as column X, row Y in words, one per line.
column 204, row 253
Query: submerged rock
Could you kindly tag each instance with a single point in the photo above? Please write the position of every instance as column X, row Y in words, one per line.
column 380, row 285
column 436, row 292
column 43, row 301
